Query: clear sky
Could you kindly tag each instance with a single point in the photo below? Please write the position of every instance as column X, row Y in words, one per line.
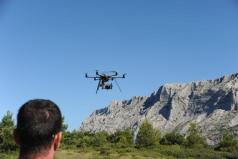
column 46, row 46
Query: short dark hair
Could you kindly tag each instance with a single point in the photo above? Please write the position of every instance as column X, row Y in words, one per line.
column 38, row 121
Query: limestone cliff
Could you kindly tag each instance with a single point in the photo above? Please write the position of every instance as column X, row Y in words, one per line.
column 212, row 104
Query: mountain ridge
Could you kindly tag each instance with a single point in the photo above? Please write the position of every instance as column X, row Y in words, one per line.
column 212, row 104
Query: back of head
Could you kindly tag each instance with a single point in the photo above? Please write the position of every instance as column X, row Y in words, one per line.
column 37, row 122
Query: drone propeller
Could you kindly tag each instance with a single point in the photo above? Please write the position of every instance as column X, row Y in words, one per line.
column 124, row 75
column 97, row 72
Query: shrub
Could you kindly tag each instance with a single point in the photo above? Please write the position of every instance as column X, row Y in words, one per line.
column 147, row 135
column 77, row 139
column 172, row 138
column 228, row 142
column 99, row 139
column 104, row 151
column 121, row 138
column 70, row 139
column 194, row 138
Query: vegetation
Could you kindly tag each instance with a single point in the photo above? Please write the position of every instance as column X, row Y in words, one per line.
column 7, row 127
column 228, row 142
column 149, row 144
column 121, row 138
column 64, row 125
column 194, row 137
column 147, row 136
column 173, row 138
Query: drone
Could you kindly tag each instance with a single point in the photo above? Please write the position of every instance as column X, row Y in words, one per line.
column 104, row 79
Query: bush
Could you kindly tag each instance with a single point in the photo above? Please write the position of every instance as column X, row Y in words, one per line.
column 228, row 142
column 121, row 138
column 70, row 139
column 104, row 151
column 194, row 138
column 77, row 139
column 147, row 135
column 172, row 138
column 99, row 139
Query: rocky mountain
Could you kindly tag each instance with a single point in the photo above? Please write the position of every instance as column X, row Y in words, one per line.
column 211, row 104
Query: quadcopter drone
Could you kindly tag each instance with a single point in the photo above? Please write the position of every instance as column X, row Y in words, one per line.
column 104, row 79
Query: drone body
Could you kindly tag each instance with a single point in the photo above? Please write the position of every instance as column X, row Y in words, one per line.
column 104, row 79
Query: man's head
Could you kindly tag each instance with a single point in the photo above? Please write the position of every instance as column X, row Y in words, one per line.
column 39, row 124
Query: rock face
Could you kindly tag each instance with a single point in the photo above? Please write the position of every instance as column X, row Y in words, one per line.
column 211, row 104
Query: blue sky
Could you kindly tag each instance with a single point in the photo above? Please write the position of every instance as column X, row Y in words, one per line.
column 46, row 46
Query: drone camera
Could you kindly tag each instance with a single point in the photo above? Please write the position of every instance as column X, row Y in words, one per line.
column 108, row 86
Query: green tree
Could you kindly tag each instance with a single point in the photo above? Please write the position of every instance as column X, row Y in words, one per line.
column 172, row 138
column 76, row 139
column 194, row 137
column 99, row 139
column 147, row 135
column 122, row 138
column 228, row 142
column 7, row 127
column 126, row 138
column 69, row 139
column 64, row 125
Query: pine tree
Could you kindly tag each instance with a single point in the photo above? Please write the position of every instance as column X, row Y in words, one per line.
column 64, row 125
column 194, row 137
column 147, row 135
column 7, row 127
column 228, row 142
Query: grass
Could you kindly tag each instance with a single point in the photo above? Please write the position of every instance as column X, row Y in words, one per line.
column 106, row 154
column 160, row 152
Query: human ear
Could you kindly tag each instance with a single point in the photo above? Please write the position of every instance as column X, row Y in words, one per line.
column 57, row 140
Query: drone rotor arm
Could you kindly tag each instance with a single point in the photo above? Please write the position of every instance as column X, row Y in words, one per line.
column 118, row 77
column 123, row 76
column 94, row 77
